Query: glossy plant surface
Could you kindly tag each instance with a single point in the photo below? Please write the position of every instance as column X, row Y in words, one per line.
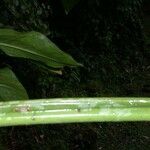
column 74, row 110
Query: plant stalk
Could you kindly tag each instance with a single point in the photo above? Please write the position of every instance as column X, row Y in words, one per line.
column 74, row 110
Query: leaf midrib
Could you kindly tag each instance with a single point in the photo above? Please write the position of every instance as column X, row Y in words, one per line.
column 26, row 50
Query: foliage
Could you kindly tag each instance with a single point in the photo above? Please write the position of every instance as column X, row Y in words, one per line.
column 107, row 37
column 34, row 46
column 25, row 15
column 10, row 87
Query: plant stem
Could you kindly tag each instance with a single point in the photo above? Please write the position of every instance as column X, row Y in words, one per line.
column 73, row 110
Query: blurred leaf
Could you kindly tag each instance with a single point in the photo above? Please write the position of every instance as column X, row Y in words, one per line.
column 10, row 87
column 35, row 46
column 56, row 72
column 69, row 4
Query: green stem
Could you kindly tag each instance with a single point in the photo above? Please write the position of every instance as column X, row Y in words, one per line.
column 72, row 110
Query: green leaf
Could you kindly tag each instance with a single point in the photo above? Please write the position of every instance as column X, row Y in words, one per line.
column 35, row 46
column 10, row 87
column 69, row 4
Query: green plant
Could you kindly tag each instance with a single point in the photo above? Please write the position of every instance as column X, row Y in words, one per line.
column 33, row 46
column 73, row 110
column 92, row 26
column 30, row 45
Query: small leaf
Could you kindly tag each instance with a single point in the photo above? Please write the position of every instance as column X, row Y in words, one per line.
column 10, row 87
column 59, row 72
column 35, row 46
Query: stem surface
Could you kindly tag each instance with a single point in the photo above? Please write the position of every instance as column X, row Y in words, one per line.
column 73, row 110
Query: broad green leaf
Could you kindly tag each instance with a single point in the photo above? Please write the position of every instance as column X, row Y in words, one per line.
column 35, row 46
column 69, row 4
column 10, row 87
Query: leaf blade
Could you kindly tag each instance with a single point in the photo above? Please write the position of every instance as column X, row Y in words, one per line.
column 35, row 46
column 10, row 87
